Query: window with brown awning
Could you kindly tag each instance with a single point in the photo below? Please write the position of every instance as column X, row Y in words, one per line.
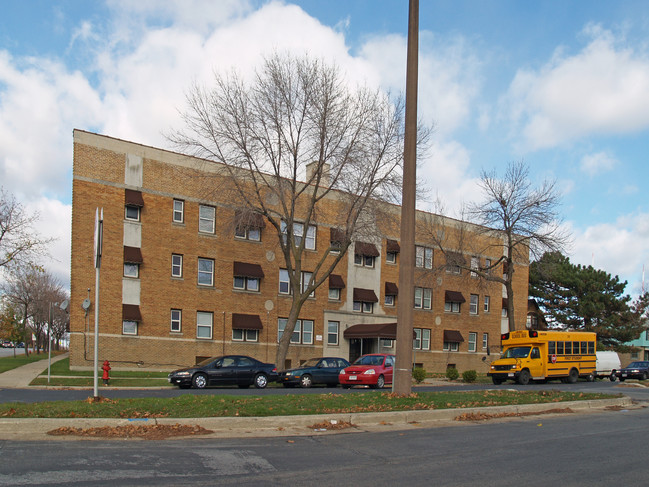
column 336, row 282
column 455, row 259
column 392, row 246
column 131, row 312
column 337, row 236
column 243, row 269
column 454, row 297
column 133, row 198
column 365, row 295
column 244, row 219
column 387, row 331
column 453, row 336
column 391, row 289
column 368, row 249
column 132, row 255
column 246, row 322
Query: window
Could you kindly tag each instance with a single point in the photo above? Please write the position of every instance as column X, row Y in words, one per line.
column 487, row 300
column 422, row 339
column 364, row 260
column 245, row 335
column 129, row 327
column 487, row 266
column 132, row 213
column 298, row 234
column 334, row 294
column 204, row 324
column 451, row 346
column 246, row 283
column 504, row 312
column 473, row 337
column 176, row 265
column 423, row 257
column 176, row 320
column 332, row 332
column 305, row 277
column 485, row 341
column 285, row 283
column 389, row 300
column 205, row 272
column 206, row 218
column 386, row 343
column 391, row 257
column 131, row 270
column 473, row 306
column 475, row 264
column 423, row 298
column 363, row 307
column 303, row 332
column 452, row 306
column 248, row 233
column 179, row 211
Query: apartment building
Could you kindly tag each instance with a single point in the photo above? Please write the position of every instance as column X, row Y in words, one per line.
column 185, row 276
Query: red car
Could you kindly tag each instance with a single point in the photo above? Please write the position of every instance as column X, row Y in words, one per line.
column 374, row 370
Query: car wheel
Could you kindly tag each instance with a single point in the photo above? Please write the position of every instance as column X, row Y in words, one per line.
column 573, row 375
column 622, row 380
column 644, row 376
column 199, row 381
column 612, row 377
column 380, row 383
column 591, row 377
column 524, row 377
column 496, row 380
column 261, row 381
column 306, row 381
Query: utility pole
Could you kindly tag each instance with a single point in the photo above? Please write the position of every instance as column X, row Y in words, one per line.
column 402, row 383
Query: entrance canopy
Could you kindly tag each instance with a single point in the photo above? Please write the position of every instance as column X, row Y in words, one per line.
column 387, row 331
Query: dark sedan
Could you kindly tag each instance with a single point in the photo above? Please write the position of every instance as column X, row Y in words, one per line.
column 228, row 370
column 323, row 370
column 635, row 370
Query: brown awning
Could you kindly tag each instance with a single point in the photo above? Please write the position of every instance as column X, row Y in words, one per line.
column 391, row 289
column 453, row 336
column 455, row 258
column 336, row 235
column 380, row 330
column 365, row 295
column 131, row 312
column 364, row 248
column 246, row 322
column 133, row 255
column 246, row 218
column 243, row 269
column 336, row 282
column 133, row 198
column 392, row 246
column 454, row 297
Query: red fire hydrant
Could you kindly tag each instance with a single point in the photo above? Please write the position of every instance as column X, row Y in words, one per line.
column 106, row 368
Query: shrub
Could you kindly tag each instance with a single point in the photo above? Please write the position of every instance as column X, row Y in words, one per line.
column 452, row 374
column 418, row 374
column 469, row 375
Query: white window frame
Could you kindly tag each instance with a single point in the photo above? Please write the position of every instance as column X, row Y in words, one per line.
column 298, row 234
column 284, row 282
column 423, row 257
column 364, row 260
column 423, row 298
column 451, row 346
column 473, row 304
column 487, row 266
column 452, row 306
column 333, row 328
column 204, row 323
column 131, row 270
column 473, row 341
column 129, row 327
column 485, row 341
column 389, row 300
column 486, row 303
column 206, row 221
column 241, row 335
column 386, row 343
column 176, row 321
column 248, row 233
column 251, row 284
column 178, row 211
column 176, row 265
column 305, row 277
column 138, row 212
column 475, row 264
column 209, row 272
column 303, row 333
column 334, row 294
column 391, row 257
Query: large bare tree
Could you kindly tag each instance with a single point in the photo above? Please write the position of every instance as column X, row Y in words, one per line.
column 286, row 140
column 20, row 243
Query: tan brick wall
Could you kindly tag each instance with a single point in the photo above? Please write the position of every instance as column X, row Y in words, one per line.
column 99, row 182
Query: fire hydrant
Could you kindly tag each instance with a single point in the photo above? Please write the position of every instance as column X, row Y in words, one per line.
column 106, row 368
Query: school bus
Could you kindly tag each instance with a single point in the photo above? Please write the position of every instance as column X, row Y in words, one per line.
column 544, row 355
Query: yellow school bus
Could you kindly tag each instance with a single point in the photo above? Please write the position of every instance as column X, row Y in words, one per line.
column 543, row 355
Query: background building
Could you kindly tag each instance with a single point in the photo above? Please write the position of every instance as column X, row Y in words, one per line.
column 186, row 276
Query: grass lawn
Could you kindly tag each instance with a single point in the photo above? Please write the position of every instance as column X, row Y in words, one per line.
column 8, row 363
column 191, row 406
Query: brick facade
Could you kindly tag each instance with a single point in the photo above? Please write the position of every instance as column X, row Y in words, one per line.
column 105, row 168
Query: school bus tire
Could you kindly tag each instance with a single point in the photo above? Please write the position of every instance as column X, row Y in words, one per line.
column 524, row 377
column 496, row 380
column 573, row 375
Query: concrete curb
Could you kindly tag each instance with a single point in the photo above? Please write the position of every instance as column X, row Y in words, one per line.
column 234, row 427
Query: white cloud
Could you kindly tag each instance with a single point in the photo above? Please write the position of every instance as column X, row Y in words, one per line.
column 604, row 89
column 593, row 164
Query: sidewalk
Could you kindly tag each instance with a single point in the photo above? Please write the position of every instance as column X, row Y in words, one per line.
column 20, row 377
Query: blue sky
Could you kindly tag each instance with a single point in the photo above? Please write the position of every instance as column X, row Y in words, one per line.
column 563, row 86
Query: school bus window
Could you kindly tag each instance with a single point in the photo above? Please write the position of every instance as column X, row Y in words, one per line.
column 535, row 353
column 568, row 348
column 552, row 348
column 591, row 347
column 559, row 348
column 575, row 348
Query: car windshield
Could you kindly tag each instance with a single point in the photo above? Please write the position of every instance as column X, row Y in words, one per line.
column 369, row 360
column 635, row 365
column 312, row 362
column 517, row 352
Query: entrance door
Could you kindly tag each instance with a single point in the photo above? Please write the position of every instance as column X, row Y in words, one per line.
column 362, row 346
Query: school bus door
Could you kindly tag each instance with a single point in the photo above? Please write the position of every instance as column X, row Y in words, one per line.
column 536, row 364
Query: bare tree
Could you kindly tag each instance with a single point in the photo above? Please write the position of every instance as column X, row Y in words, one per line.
column 285, row 142
column 21, row 290
column 48, row 293
column 20, row 244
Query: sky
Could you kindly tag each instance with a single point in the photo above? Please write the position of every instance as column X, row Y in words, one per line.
column 562, row 86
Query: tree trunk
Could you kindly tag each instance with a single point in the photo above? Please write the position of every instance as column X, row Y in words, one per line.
column 285, row 339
